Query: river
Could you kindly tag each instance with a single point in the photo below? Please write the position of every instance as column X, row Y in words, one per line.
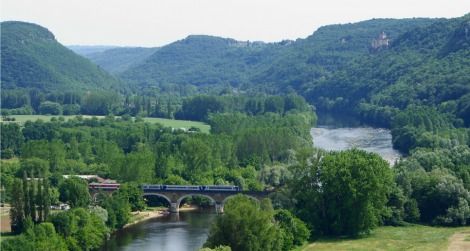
column 335, row 134
column 188, row 231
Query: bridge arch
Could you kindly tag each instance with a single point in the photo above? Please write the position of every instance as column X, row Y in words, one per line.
column 178, row 202
column 231, row 196
column 159, row 195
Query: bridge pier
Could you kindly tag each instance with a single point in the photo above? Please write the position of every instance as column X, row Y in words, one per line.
column 174, row 207
column 219, row 208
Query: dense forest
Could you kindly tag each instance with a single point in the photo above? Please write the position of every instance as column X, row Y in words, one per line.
column 260, row 100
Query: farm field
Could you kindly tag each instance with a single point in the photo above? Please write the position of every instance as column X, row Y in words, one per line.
column 399, row 238
column 166, row 122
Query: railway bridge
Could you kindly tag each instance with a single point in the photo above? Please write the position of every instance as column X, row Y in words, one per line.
column 175, row 194
column 175, row 197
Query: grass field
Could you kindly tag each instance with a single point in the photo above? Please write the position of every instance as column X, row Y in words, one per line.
column 165, row 122
column 393, row 238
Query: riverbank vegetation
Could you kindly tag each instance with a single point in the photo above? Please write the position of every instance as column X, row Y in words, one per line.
column 251, row 225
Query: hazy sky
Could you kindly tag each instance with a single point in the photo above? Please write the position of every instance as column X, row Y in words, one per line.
column 158, row 22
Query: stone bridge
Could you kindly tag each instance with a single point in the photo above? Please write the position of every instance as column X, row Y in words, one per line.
column 174, row 197
column 219, row 198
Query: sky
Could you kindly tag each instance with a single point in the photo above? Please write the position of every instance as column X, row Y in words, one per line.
column 159, row 22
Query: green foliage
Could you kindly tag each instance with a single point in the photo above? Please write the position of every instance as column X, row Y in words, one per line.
column 80, row 228
column 42, row 237
column 436, row 183
column 294, row 231
column 75, row 192
column 51, row 108
column 134, row 195
column 119, row 210
column 245, row 226
column 12, row 138
column 341, row 193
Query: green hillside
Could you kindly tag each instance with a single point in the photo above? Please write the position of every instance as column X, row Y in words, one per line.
column 424, row 66
column 117, row 60
column 33, row 59
column 85, row 50
column 203, row 60
column 207, row 60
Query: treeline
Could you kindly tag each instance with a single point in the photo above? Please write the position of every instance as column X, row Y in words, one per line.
column 199, row 107
column 143, row 152
column 151, row 104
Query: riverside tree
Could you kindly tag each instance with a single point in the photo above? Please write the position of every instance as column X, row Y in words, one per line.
column 341, row 193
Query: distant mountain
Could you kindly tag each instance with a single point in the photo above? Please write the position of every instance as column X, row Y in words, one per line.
column 202, row 60
column 370, row 68
column 118, row 60
column 85, row 50
column 207, row 60
column 33, row 59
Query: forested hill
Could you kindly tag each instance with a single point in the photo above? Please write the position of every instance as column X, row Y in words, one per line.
column 115, row 60
column 204, row 60
column 425, row 66
column 208, row 60
column 33, row 59
column 372, row 68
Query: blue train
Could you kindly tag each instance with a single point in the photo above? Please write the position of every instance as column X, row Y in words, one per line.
column 217, row 188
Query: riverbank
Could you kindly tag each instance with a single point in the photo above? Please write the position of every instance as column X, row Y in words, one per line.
column 141, row 216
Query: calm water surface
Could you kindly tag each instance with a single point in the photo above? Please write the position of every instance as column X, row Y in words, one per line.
column 184, row 232
column 375, row 140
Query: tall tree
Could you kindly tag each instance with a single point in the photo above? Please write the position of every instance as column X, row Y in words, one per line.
column 27, row 201
column 46, row 198
column 32, row 197
column 17, row 213
column 39, row 201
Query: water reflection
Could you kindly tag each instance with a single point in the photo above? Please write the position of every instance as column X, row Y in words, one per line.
column 186, row 231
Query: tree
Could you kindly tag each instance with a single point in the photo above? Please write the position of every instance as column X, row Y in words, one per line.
column 17, row 213
column 134, row 195
column 48, row 107
column 295, row 232
column 11, row 136
column 26, row 199
column 80, row 228
column 75, row 191
column 342, row 193
column 32, row 197
column 41, row 237
column 245, row 225
column 46, row 197
column 119, row 209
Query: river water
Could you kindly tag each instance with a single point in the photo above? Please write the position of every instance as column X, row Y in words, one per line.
column 188, row 231
column 333, row 135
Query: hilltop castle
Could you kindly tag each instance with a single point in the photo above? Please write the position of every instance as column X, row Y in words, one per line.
column 380, row 41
